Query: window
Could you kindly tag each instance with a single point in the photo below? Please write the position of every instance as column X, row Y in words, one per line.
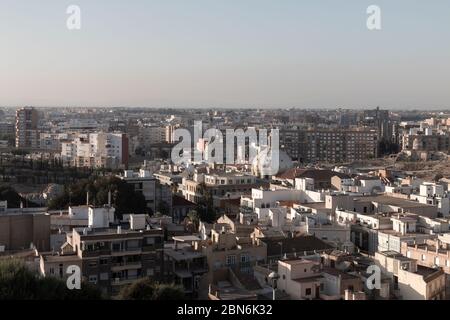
column 231, row 260
column 132, row 274
column 103, row 261
column 52, row 270
column 117, row 246
column 150, row 272
column 93, row 279
column 245, row 258
column 104, row 276
column 133, row 244
column 436, row 261
column 92, row 264
column 308, row 291
column 150, row 241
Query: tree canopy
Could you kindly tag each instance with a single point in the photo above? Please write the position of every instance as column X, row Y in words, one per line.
column 14, row 199
column 146, row 289
column 123, row 196
column 17, row 282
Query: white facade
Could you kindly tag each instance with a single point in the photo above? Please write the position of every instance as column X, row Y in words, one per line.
column 95, row 150
column 100, row 217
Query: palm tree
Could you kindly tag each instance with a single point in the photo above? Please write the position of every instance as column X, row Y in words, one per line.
column 193, row 218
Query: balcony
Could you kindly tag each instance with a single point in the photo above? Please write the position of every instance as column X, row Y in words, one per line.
column 124, row 281
column 95, row 253
column 129, row 251
column 115, row 267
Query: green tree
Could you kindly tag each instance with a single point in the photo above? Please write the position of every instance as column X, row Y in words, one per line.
column 163, row 208
column 14, row 199
column 194, row 218
column 205, row 207
column 142, row 289
column 164, row 291
column 146, row 289
column 17, row 282
column 123, row 196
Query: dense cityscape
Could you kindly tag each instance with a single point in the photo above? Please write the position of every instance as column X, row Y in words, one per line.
column 224, row 159
column 358, row 208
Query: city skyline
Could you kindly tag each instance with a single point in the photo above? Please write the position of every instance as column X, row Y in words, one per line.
column 224, row 55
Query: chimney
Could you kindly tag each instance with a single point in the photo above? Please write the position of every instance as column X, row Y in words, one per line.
column 87, row 198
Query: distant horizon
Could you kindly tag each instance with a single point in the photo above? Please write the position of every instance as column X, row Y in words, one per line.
column 233, row 108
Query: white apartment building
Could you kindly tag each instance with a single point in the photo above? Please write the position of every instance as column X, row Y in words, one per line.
column 404, row 229
column 144, row 182
column 27, row 134
column 410, row 281
column 151, row 134
column 98, row 150
column 433, row 194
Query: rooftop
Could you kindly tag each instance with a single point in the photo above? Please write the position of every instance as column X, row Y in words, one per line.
column 291, row 245
column 309, row 279
column 52, row 257
column 394, row 201
column 124, row 232
column 395, row 255
column 296, row 261
column 183, row 252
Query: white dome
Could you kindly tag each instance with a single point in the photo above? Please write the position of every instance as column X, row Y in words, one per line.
column 268, row 163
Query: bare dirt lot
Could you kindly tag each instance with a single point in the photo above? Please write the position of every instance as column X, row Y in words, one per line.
column 426, row 170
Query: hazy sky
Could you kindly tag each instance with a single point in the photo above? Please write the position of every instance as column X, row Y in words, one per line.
column 225, row 53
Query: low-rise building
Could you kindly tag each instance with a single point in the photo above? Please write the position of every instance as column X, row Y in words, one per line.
column 114, row 257
column 185, row 264
column 410, row 281
column 304, row 279
column 21, row 229
column 157, row 196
